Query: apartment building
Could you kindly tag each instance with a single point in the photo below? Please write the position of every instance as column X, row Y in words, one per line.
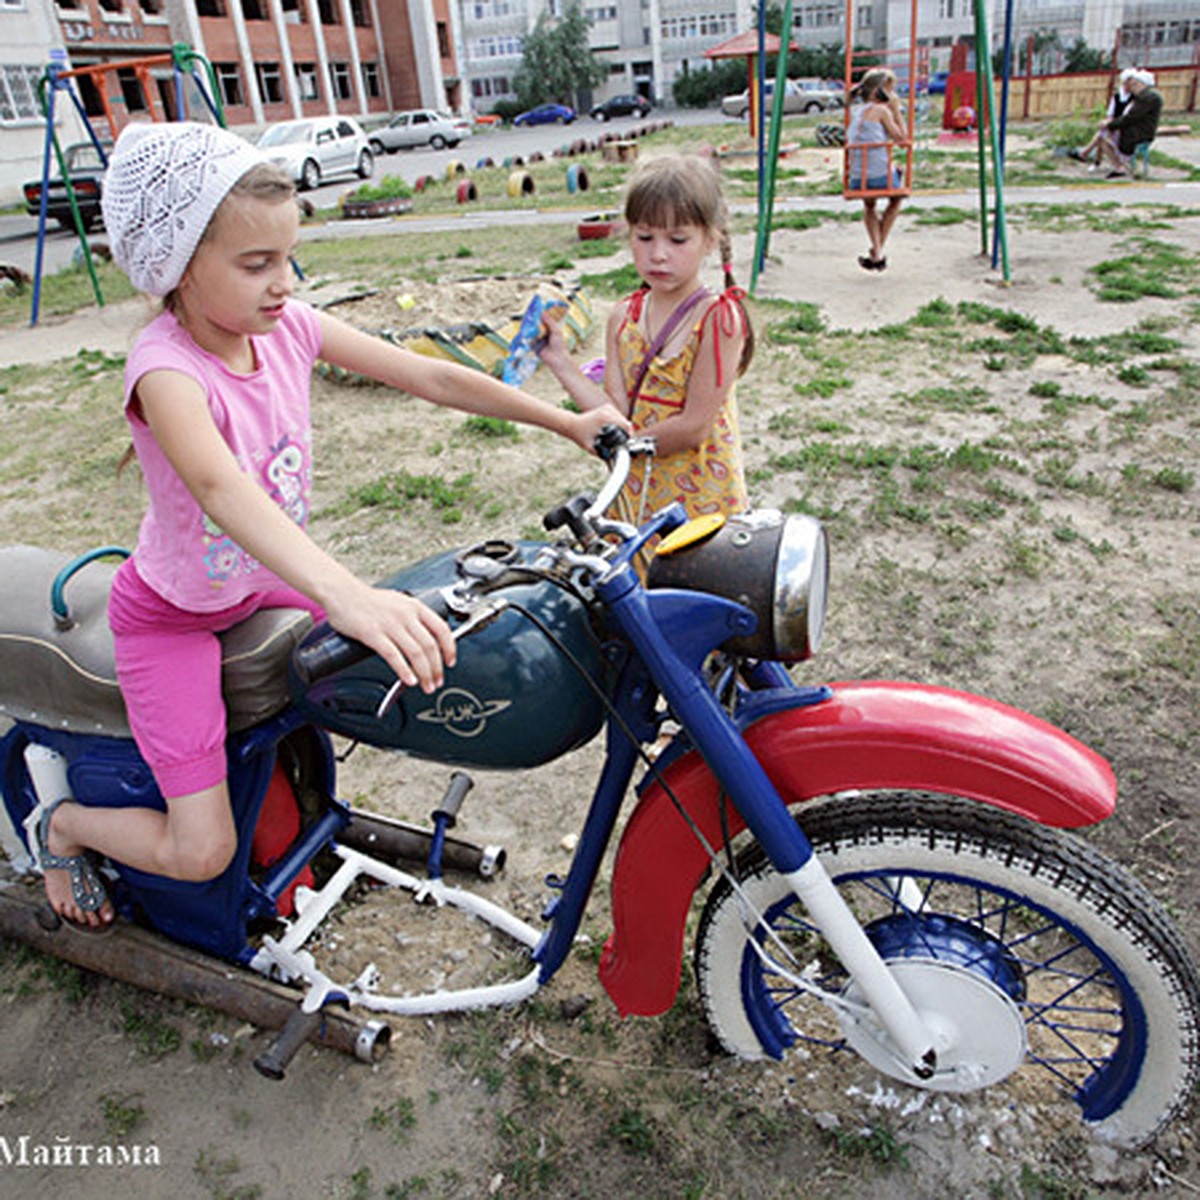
column 274, row 59
column 647, row 44
column 1142, row 32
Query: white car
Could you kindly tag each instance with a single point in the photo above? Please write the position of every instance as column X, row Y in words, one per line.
column 800, row 96
column 420, row 127
column 314, row 148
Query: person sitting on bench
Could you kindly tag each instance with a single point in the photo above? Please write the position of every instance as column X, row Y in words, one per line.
column 1137, row 124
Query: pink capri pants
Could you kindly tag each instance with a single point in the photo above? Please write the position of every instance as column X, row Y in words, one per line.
column 169, row 668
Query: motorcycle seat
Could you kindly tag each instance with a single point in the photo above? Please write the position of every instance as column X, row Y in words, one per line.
column 61, row 675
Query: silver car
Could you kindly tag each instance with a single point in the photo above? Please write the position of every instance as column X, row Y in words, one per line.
column 420, row 127
column 314, row 148
column 800, row 96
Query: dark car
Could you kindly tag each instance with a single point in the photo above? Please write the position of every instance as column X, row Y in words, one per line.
column 546, row 114
column 937, row 83
column 627, row 105
column 85, row 168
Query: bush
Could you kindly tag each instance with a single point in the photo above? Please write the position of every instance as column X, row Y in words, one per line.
column 699, row 89
column 390, row 187
column 506, row 109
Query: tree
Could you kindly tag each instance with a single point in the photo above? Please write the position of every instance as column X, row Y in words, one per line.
column 556, row 63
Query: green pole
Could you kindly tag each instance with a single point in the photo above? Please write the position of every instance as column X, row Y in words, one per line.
column 766, row 197
column 983, row 54
column 981, row 150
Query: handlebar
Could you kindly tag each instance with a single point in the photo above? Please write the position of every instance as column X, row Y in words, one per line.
column 331, row 651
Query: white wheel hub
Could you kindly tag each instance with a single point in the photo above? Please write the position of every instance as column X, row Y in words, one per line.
column 978, row 1031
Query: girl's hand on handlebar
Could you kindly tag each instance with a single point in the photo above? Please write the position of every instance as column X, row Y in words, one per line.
column 590, row 422
column 411, row 638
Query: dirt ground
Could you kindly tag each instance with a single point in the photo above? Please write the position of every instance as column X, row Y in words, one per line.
column 560, row 1098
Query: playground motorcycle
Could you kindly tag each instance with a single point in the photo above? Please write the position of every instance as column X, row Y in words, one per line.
column 884, row 863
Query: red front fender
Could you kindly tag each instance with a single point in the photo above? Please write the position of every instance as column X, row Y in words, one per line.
column 868, row 736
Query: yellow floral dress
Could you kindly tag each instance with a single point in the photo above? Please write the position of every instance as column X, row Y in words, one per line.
column 709, row 479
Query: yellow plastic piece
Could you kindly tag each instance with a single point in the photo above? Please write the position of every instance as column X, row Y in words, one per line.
column 691, row 534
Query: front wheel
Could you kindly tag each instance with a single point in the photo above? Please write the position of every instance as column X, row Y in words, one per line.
column 310, row 175
column 366, row 164
column 1019, row 945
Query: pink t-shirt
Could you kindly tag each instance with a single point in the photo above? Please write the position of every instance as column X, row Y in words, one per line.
column 264, row 418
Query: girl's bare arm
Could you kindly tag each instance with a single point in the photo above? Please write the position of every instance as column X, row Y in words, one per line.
column 413, row 640
column 455, row 386
column 578, row 386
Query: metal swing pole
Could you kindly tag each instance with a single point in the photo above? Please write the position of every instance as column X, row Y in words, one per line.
column 51, row 82
column 768, row 170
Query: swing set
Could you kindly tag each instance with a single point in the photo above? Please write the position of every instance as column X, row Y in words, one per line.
column 911, row 67
column 185, row 64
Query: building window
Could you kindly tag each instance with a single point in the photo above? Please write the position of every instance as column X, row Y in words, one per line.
column 339, row 80
column 330, row 12
column 946, row 9
column 306, row 81
column 254, row 10
column 270, row 82
column 113, row 6
column 494, row 47
column 293, row 13
column 210, row 8
column 359, row 14
column 229, row 82
column 131, row 90
column 864, row 17
column 443, row 36
column 490, row 88
column 152, row 8
column 18, row 93
column 370, row 79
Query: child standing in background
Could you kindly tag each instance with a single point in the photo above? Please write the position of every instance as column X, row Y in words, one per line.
column 217, row 397
column 673, row 350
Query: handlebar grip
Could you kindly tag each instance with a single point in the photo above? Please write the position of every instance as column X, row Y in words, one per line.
column 329, row 651
column 299, row 1027
column 609, row 440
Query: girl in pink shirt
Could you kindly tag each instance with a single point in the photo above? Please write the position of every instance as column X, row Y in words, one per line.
column 217, row 395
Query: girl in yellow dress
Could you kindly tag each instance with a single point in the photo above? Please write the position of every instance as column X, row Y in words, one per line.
column 673, row 349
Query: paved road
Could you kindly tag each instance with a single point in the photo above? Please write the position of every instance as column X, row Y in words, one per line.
column 18, row 233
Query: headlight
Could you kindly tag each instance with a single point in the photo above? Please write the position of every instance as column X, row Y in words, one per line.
column 776, row 566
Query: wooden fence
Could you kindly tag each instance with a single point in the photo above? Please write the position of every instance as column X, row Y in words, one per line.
column 1039, row 97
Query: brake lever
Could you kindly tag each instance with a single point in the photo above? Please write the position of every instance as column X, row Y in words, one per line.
column 483, row 614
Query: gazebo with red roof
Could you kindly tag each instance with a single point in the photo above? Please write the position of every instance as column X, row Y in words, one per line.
column 745, row 45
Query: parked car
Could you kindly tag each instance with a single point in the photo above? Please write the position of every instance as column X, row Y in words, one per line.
column 546, row 114
column 315, row 148
column 800, row 96
column 937, row 83
column 625, row 105
column 420, row 127
column 85, row 169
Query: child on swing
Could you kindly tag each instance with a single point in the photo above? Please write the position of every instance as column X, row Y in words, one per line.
column 217, row 396
column 673, row 350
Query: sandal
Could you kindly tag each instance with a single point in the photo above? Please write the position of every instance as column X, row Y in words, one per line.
column 87, row 888
column 867, row 263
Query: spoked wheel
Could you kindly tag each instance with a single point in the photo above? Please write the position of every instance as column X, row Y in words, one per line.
column 1020, row 946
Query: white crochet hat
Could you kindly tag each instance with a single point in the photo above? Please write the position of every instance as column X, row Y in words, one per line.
column 163, row 184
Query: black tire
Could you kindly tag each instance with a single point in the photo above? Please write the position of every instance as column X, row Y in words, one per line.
column 310, row 175
column 87, row 220
column 377, row 148
column 1082, row 952
column 437, row 142
column 813, row 106
column 366, row 164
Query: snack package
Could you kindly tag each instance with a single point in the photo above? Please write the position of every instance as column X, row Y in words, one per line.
column 523, row 351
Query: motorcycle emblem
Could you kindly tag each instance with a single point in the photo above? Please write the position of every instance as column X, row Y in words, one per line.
column 462, row 713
